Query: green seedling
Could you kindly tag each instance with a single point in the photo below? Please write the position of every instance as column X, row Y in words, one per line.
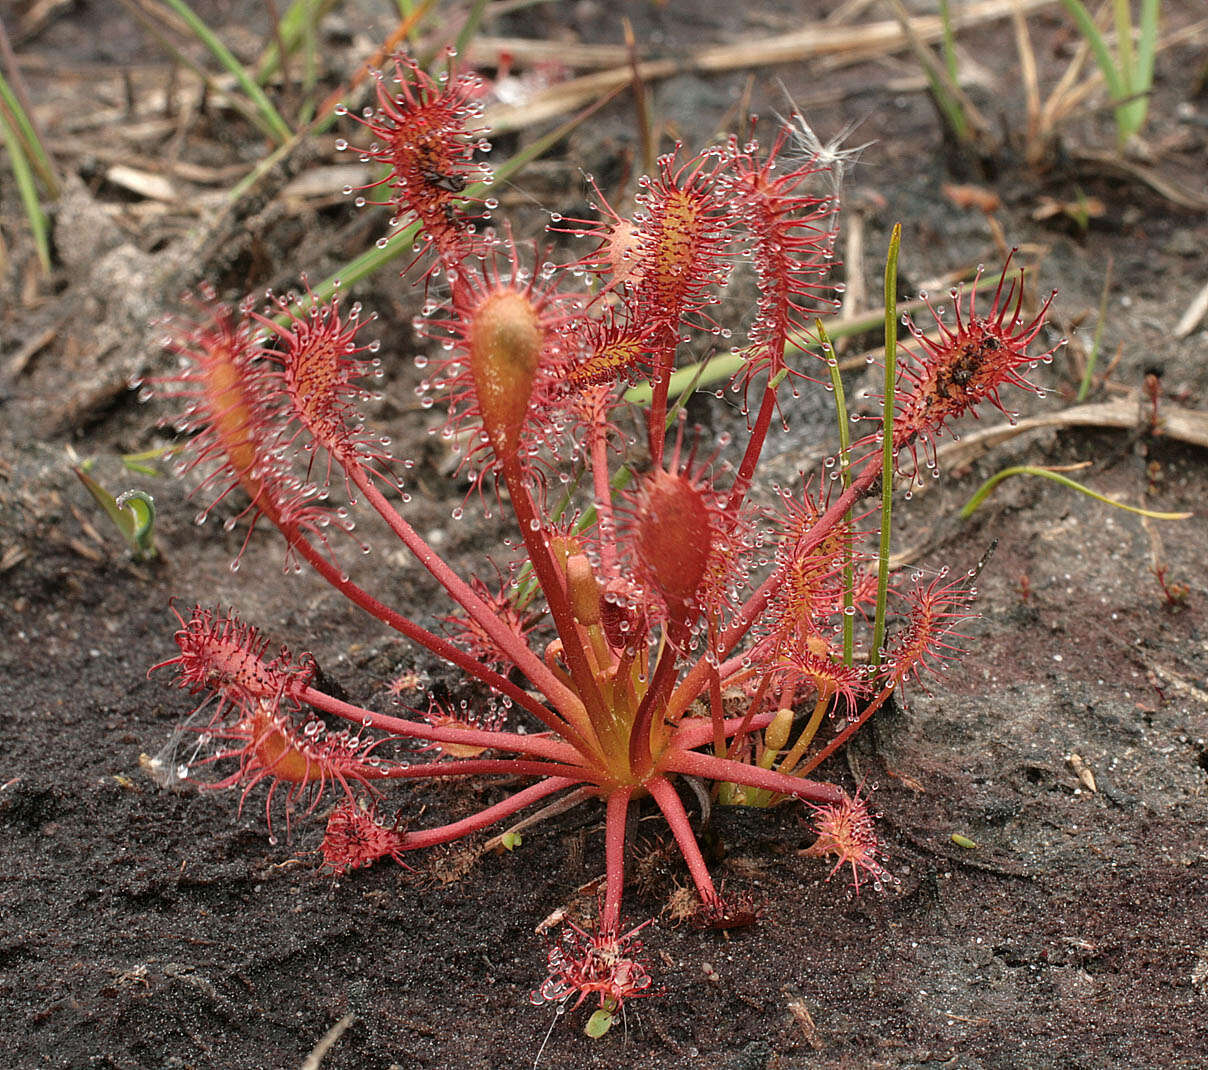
column 601, row 1022
column 132, row 513
column 849, row 612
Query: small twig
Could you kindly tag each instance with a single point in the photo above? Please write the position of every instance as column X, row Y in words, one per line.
column 312, row 1061
column 1194, row 314
column 844, row 44
column 558, row 806
column 641, row 101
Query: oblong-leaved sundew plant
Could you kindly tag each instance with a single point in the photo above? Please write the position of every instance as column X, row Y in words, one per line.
column 660, row 627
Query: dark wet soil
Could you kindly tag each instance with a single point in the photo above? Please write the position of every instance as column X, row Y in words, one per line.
column 145, row 927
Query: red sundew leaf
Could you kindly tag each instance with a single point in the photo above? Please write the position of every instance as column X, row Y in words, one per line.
column 968, row 364
column 602, row 964
column 306, row 757
column 468, row 633
column 317, row 375
column 356, row 838
column 679, row 244
column 506, row 333
column 487, row 720
column 222, row 654
column 791, row 234
column 504, row 339
column 846, row 832
column 935, row 612
column 234, row 415
column 727, row 911
column 843, row 684
column 610, row 351
column 673, row 536
column 423, row 132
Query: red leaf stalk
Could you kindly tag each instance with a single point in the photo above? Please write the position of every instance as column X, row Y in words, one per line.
column 678, row 618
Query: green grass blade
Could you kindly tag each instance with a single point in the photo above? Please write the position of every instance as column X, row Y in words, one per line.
column 1131, row 117
column 984, row 490
column 849, row 613
column 272, row 118
column 21, row 125
column 951, row 108
column 1088, row 376
column 941, row 78
column 949, row 40
column 467, row 32
column 296, row 26
column 28, row 192
column 1147, row 45
column 1124, row 47
column 1103, row 57
column 887, row 458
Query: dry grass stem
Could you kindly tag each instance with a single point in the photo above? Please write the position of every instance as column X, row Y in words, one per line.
column 843, row 44
column 1194, row 314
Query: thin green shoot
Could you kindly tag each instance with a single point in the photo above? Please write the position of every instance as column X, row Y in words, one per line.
column 466, row 34
column 1055, row 474
column 953, row 105
column 141, row 462
column 1129, row 73
column 1088, row 376
column 296, row 29
column 887, row 452
column 270, row 118
column 27, row 190
column 310, row 76
column 1079, row 212
column 849, row 612
column 22, row 126
column 949, row 41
